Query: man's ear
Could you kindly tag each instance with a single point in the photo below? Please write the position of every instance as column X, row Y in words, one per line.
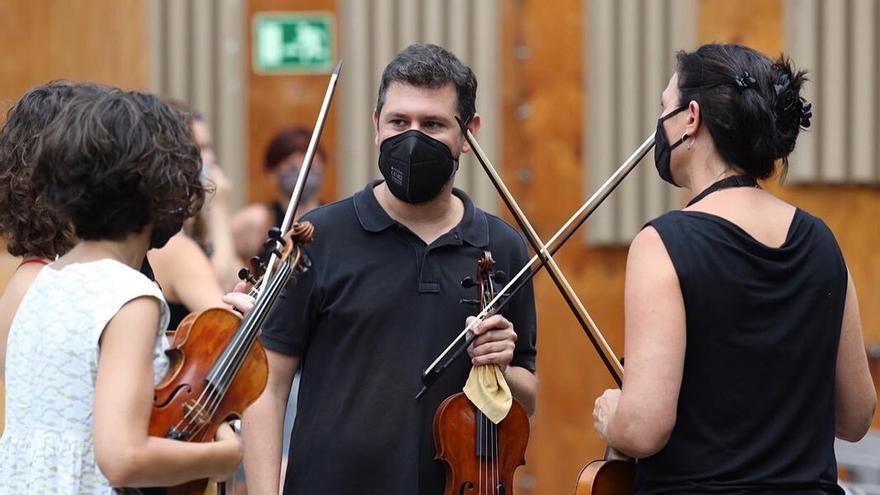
column 473, row 126
column 376, row 127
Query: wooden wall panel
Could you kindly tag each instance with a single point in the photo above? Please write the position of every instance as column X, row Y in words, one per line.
column 95, row 40
column 279, row 101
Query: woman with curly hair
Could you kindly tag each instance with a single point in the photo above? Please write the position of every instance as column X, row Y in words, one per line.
column 744, row 349
column 123, row 169
column 32, row 230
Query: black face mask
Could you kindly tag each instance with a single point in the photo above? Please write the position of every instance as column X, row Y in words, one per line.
column 161, row 235
column 415, row 166
column 663, row 150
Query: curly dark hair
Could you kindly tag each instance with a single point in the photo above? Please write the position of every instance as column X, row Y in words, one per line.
column 751, row 104
column 30, row 227
column 116, row 163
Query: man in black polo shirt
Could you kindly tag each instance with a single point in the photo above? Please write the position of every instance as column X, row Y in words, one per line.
column 383, row 299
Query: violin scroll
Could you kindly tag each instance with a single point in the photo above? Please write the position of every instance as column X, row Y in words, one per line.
column 287, row 249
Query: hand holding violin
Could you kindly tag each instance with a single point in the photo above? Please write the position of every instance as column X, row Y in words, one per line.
column 495, row 342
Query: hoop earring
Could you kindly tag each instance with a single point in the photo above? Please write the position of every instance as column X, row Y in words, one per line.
column 691, row 144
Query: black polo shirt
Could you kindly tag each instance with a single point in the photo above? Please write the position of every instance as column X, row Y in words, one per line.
column 377, row 306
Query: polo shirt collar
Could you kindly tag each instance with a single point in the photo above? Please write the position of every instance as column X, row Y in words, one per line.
column 473, row 228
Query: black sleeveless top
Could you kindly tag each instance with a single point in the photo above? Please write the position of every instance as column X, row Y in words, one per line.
column 756, row 407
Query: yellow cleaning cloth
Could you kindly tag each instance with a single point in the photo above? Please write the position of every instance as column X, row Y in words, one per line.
column 488, row 390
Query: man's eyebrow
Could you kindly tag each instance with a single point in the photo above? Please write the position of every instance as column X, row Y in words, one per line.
column 401, row 115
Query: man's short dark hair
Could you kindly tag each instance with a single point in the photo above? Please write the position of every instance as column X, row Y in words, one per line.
column 430, row 66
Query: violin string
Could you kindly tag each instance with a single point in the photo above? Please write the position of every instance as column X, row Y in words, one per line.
column 497, row 466
column 229, row 365
column 242, row 343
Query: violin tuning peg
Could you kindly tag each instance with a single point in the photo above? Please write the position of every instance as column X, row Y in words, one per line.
column 468, row 283
column 245, row 275
column 256, row 263
column 275, row 233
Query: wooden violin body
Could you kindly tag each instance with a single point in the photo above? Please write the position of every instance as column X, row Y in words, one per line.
column 187, row 405
column 606, row 477
column 473, row 465
column 197, row 345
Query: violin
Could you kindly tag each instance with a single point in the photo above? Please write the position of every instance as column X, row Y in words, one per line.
column 613, row 475
column 480, row 456
column 217, row 365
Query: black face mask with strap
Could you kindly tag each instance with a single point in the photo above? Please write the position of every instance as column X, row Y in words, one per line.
column 415, row 166
column 662, row 148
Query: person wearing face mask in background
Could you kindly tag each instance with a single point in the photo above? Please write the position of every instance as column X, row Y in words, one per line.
column 284, row 156
column 383, row 298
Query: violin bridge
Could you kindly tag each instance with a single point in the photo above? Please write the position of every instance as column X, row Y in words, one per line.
column 196, row 413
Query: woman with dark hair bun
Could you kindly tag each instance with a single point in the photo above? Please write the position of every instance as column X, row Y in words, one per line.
column 123, row 170
column 744, row 349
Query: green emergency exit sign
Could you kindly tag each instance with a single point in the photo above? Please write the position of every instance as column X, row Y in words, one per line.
column 293, row 42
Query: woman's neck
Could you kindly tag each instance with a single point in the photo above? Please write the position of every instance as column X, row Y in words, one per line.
column 706, row 169
column 129, row 251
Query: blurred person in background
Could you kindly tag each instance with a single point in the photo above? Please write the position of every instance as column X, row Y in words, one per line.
column 282, row 162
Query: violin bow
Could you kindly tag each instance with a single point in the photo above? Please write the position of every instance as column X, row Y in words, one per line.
column 306, row 166
column 574, row 303
column 543, row 256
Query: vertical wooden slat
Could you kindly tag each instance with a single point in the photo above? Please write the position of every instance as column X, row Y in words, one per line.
column 432, row 22
column 178, row 49
column 457, row 12
column 484, row 24
column 205, row 51
column 355, row 87
column 801, row 18
column 601, row 82
column 384, row 46
column 630, row 70
column 156, row 34
column 863, row 127
column 229, row 102
column 408, row 25
column 657, row 73
column 835, row 125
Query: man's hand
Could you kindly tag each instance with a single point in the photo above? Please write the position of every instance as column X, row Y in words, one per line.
column 495, row 342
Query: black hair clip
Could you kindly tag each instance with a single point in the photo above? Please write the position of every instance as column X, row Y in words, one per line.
column 806, row 113
column 781, row 84
column 745, row 80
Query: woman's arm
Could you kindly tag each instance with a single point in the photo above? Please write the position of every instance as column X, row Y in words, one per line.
column 186, row 275
column 640, row 423
column 126, row 455
column 855, row 397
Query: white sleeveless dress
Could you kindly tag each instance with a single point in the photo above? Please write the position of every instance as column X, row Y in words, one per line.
column 47, row 446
